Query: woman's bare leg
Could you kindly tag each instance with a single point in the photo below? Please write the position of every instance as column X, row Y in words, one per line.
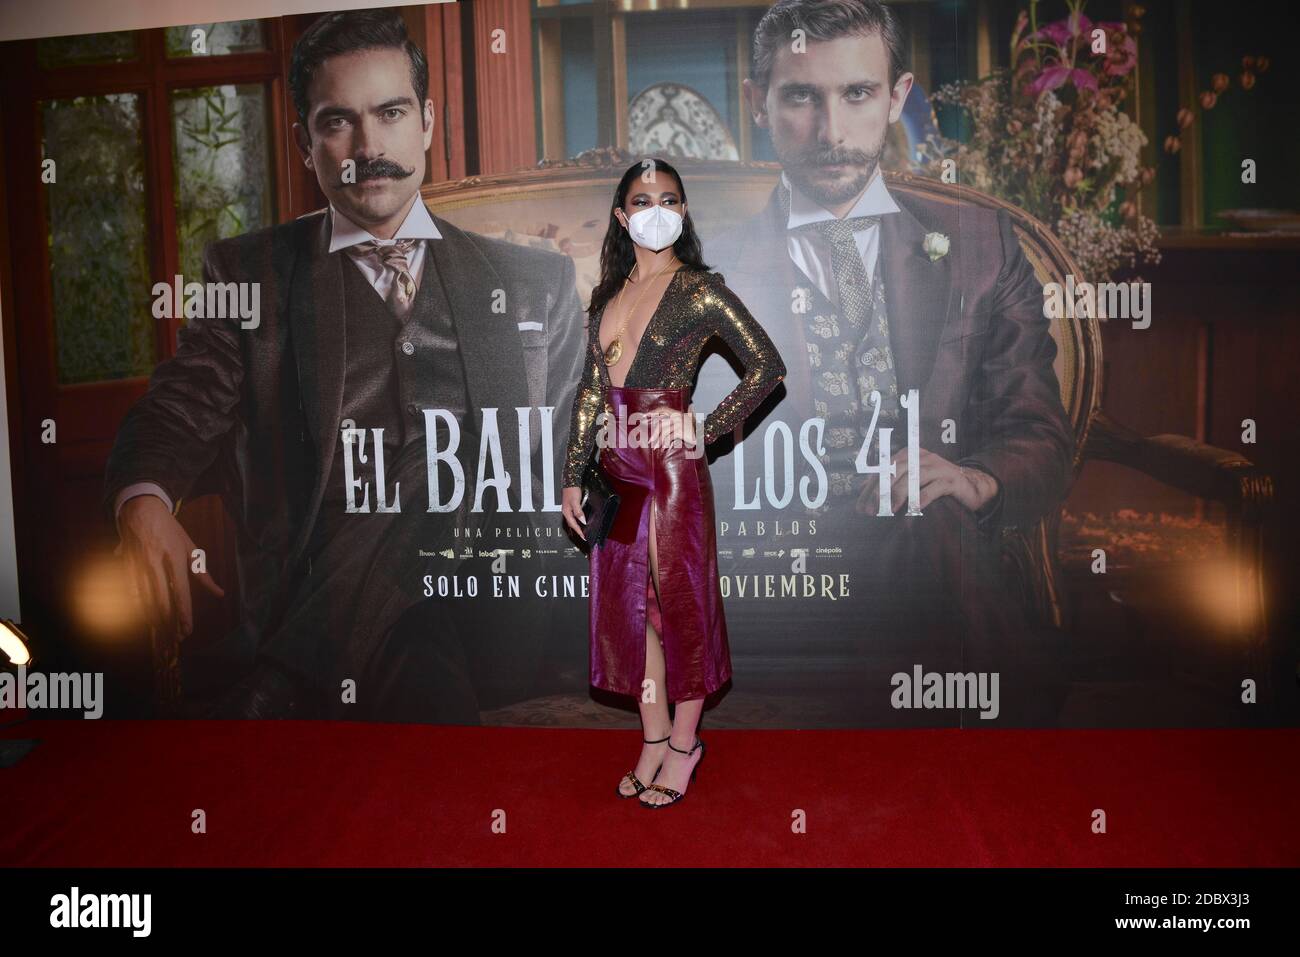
column 685, row 721
column 676, row 771
column 655, row 722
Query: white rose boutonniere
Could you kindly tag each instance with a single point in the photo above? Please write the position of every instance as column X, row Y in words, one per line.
column 935, row 245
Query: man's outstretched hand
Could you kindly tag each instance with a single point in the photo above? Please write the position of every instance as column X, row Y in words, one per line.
column 939, row 477
column 158, row 550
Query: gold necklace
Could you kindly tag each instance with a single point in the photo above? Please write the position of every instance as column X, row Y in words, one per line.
column 614, row 351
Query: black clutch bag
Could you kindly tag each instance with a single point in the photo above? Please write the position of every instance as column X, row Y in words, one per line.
column 599, row 505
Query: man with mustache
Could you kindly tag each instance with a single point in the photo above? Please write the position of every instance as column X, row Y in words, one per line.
column 374, row 311
column 865, row 291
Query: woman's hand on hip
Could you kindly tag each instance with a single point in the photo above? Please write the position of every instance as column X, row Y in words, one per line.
column 672, row 424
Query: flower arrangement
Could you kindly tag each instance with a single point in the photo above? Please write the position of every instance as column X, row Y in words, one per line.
column 1048, row 135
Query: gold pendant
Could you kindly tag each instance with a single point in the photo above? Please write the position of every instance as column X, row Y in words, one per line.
column 614, row 352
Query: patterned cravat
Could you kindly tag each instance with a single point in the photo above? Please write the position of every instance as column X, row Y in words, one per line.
column 868, row 332
column 393, row 256
column 848, row 356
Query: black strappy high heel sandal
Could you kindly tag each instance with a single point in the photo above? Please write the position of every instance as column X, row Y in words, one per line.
column 675, row 796
column 636, row 783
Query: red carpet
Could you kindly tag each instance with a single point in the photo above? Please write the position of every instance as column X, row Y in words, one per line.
column 121, row 793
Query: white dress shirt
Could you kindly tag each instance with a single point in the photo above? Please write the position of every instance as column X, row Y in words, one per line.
column 417, row 225
column 810, row 254
column 344, row 233
column 810, row 251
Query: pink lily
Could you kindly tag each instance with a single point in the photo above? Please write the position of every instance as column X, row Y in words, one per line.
column 1054, row 76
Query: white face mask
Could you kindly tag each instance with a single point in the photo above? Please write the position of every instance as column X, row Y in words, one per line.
column 654, row 227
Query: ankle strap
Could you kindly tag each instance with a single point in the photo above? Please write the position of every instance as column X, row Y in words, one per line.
column 680, row 751
column 660, row 741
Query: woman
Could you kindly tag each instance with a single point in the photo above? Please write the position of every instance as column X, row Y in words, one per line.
column 656, row 623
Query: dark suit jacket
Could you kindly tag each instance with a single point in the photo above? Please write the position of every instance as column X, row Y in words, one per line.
column 966, row 330
column 255, row 414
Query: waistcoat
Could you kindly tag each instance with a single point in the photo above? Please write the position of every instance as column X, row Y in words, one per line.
column 393, row 372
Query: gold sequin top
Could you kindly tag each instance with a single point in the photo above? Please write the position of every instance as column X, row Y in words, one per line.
column 695, row 307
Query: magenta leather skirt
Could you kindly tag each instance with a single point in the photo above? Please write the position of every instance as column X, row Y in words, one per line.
column 670, row 487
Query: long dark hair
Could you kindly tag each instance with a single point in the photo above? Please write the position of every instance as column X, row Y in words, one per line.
column 618, row 254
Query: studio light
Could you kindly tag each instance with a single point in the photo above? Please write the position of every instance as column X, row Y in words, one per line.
column 15, row 646
column 15, row 653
